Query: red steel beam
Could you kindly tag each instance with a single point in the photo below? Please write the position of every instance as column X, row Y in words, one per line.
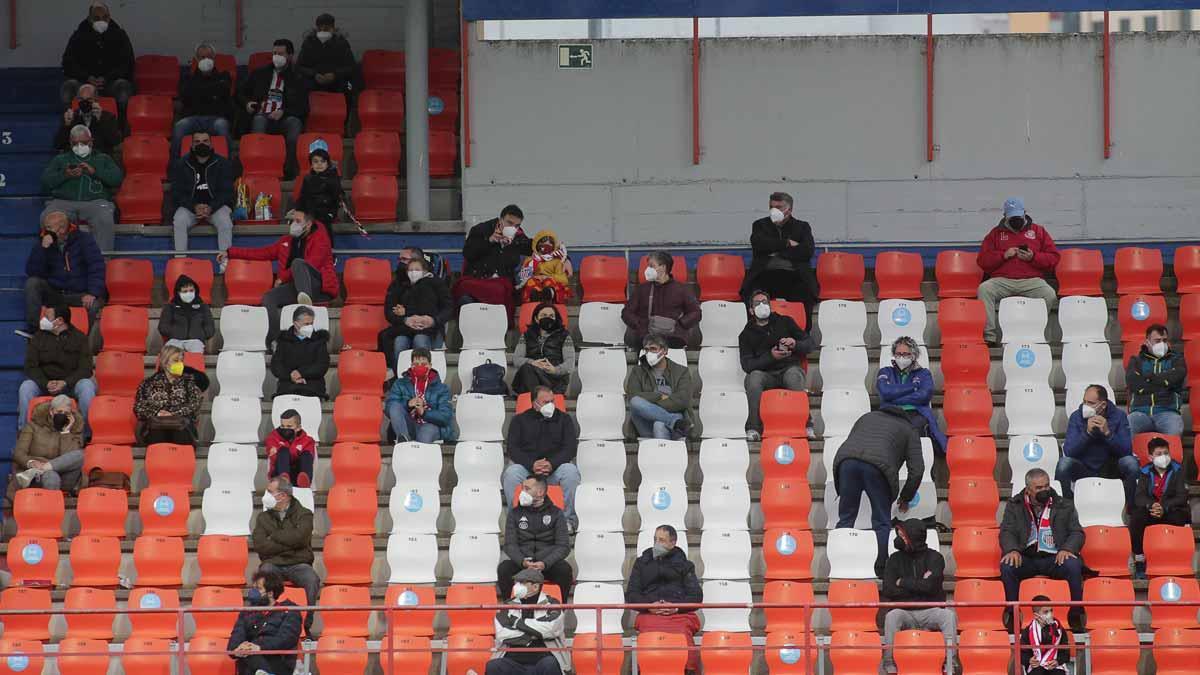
column 929, row 87
column 465, row 46
column 1107, row 88
column 240, row 38
column 12, row 24
column 695, row 90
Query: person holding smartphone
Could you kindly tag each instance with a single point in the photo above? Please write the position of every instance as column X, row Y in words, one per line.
column 1016, row 256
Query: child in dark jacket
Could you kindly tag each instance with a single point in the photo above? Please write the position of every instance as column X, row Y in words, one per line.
column 321, row 193
column 186, row 321
column 1044, row 647
column 1160, row 498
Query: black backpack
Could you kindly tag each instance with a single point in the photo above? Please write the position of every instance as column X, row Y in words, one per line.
column 488, row 378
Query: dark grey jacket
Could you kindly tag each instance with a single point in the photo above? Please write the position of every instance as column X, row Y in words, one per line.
column 537, row 533
column 1064, row 524
column 885, row 439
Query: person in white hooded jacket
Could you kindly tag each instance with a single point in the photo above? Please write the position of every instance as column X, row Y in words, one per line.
column 530, row 625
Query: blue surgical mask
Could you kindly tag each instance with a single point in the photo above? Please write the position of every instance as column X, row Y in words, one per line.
column 255, row 598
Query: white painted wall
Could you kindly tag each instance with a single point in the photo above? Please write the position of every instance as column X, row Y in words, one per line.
column 605, row 156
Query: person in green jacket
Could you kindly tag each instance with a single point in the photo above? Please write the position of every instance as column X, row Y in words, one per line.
column 659, row 393
column 81, row 182
column 282, row 538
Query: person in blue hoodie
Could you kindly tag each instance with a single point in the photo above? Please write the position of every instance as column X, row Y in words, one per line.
column 418, row 404
column 65, row 265
column 1161, row 498
column 1097, row 439
column 908, row 386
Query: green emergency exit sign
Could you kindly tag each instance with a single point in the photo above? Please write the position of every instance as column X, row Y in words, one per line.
column 575, row 56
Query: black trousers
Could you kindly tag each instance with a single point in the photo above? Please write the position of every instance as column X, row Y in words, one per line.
column 559, row 574
column 529, row 378
column 1140, row 519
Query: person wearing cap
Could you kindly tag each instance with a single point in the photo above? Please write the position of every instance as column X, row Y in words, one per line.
column 202, row 190
column 321, row 192
column 326, row 61
column 536, row 537
column 663, row 575
column 532, row 627
column 99, row 53
column 914, row 573
column 1016, row 256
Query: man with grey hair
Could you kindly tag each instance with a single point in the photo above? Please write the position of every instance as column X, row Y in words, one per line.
column 910, row 387
column 659, row 392
column 106, row 132
column 81, row 182
column 65, row 265
column 771, row 348
column 782, row 248
column 99, row 53
column 206, row 97
column 49, row 449
column 282, row 538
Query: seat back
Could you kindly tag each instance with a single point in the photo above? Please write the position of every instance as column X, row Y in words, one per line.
column 1083, row 319
column 26, row 626
column 1113, row 651
column 360, row 326
column 1175, row 650
column 979, row 591
column 383, row 69
column 723, row 414
column 348, row 559
column 841, row 275
column 412, row 557
column 961, row 320
column 145, row 154
column 900, row 317
column 164, row 511
column 124, row 328
column 170, row 465
column 1169, row 550
column 958, row 275
column 973, row 502
column 1100, row 501
column 102, row 512
column 227, row 509
column 842, row 322
column 410, row 621
column 1079, row 271
column 976, row 552
column 95, row 561
column 352, row 509
column 39, row 512
column 721, row 322
column 32, row 560
column 381, row 110
column 661, row 652
column 128, row 281
column 358, row 417
column 349, row 623
column 82, row 656
column 984, row 651
column 720, row 276
column 1102, row 589
column 604, row 278
column 587, row 648
column 1107, row 550
column 920, row 652
column 93, row 623
column 376, row 198
column 1137, row 312
column 471, row 621
column 377, row 152
column 151, row 624
column 222, row 560
column 726, row 653
column 1138, row 270
column 151, row 114
column 786, row 502
column 366, row 280
column 600, row 415
column 602, row 369
column 116, row 458
column 972, row 456
column 899, row 274
column 855, row 651
column 326, row 115
column 788, row 553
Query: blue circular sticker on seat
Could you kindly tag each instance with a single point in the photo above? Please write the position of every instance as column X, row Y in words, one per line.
column 436, row 105
column 1026, row 357
column 785, row 454
column 164, row 505
column 1171, row 591
column 18, row 662
column 408, row 598
column 901, row 316
column 789, row 654
column 413, row 501
column 915, row 500
column 1140, row 310
column 150, row 601
column 32, row 554
column 1034, row 451
column 785, row 544
column 661, row 499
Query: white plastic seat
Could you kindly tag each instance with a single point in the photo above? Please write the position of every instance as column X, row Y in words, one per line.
column 227, row 510
column 244, row 328
column 728, row 457
column 483, row 326
column 662, row 460
column 1026, row 365
column 723, row 414
column 600, row 507
column 602, row 369
column 922, row 505
column 829, row 453
column 725, row 503
column 236, row 419
column 1031, row 452
column 676, row 355
column 1030, row 411
column 1100, row 501
column 601, row 462
column 412, row 557
column 469, row 359
column 304, row 496
column 1083, row 319
column 931, row 541
column 833, row 502
column 437, row 360
column 843, row 367
column 926, row 460
column 414, row 507
column 1023, row 319
column 726, row 554
column 721, row 369
column 600, row 323
column 320, row 317
column 645, row 538
column 721, row 322
column 480, row 417
column 418, row 462
column 851, row 553
column 599, row 555
column 842, row 322
column 841, row 408
column 901, row 317
column 719, row 592
column 601, row 415
column 477, row 462
column 233, row 465
column 474, row 557
column 1089, row 362
column 662, row 502
column 241, row 373
column 476, row 507
column 309, row 408
column 592, row 593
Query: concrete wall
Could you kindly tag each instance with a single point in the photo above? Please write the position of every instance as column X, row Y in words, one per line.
column 605, row 156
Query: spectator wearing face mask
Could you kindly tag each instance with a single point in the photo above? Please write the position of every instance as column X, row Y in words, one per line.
column 301, row 357
column 326, row 61
column 1016, row 256
column 914, row 573
column 58, row 361
column 659, row 392
column 106, row 131
column 49, row 449
column 99, row 53
column 536, row 537
column 282, row 538
column 1157, row 379
column 532, row 629
column 186, row 321
column 167, row 404
column 206, row 99
column 783, row 248
column 81, row 183
column 545, row 354
column 1098, row 444
column 65, row 266
column 542, row 441
column 771, row 348
column 492, row 254
column 1044, row 646
column 663, row 575
column 545, row 276
column 908, row 386
column 663, row 306
column 257, row 630
column 1161, row 498
column 276, row 99
column 418, row 404
column 417, row 308
column 291, row 451
column 202, row 190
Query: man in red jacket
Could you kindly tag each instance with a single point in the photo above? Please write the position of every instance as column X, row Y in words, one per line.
column 1016, row 255
column 304, row 258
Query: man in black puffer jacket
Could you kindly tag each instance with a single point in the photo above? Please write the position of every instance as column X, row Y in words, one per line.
column 535, row 537
column 542, row 441
column 301, row 357
column 914, row 573
column 326, row 60
column 663, row 574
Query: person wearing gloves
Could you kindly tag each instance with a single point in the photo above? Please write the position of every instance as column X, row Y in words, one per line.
column 914, row 573
column 202, row 191
column 1044, row 646
column 663, row 575
column 663, row 306
column 257, row 630
column 167, row 404
column 542, row 442
column 417, row 309
column 536, row 537
column 321, row 192
column 530, row 626
column 545, row 354
column 301, row 357
column 282, row 538
column 546, row 274
column 1157, row 381
column 81, row 183
column 659, row 392
column 1161, row 498
column 418, row 404
column 186, row 321
column 771, row 348
column 492, row 254
column 1098, row 444
column 783, row 248
column 1016, row 256
column 291, row 451
column 49, row 450
column 908, row 386
column 99, row 53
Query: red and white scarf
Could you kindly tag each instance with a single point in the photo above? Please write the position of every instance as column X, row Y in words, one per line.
column 1041, row 533
column 274, row 100
column 1048, row 653
column 419, row 387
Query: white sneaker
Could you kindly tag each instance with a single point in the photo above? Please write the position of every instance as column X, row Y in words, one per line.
column 304, row 299
column 26, row 477
column 221, row 266
column 753, row 435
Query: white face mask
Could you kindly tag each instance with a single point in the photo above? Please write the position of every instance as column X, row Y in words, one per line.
column 187, row 296
column 776, row 216
column 525, row 499
column 509, row 232
column 547, row 410
column 296, row 229
column 1046, row 618
column 903, row 362
column 762, row 310
column 269, row 502
column 415, row 275
column 99, row 26
column 82, row 149
column 520, row 591
column 653, row 358
column 324, row 35
column 1087, row 411
column 46, row 324
column 651, row 274
column 1159, row 349
column 205, row 65
column 279, row 61
column 305, row 331
column 1162, row 461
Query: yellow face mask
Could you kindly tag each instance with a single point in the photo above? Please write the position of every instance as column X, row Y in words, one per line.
column 175, row 368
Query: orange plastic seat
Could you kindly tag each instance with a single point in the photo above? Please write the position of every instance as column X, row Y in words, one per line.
column 787, row 619
column 200, row 271
column 247, row 280
column 95, row 561
column 976, row 551
column 333, row 139
column 348, row 559
column 444, row 67
column 164, row 511
column 1189, row 315
column 973, row 502
column 154, row 624
column 841, row 275
column 38, row 400
column 326, row 114
column 784, row 412
column 144, row 154
column 150, row 114
column 965, row 364
column 984, row 651
column 1079, row 272
column 1175, row 651
column 361, row 372
column 114, row 458
column 443, row 153
column 262, row 154
column 468, row 654
column 1164, row 593
column 410, row 621
column 358, row 417
column 553, row 492
column 1102, row 589
column 1169, row 550
column 158, row 560
column 140, row 199
column 361, row 325
column 679, row 269
column 118, row 373
column 381, row 110
column 383, row 69
column 124, row 329
column 847, row 591
column 604, row 278
column 206, row 656
column 26, row 626
column 720, row 276
column 346, row 654
column 785, row 458
column 356, row 463
column 957, row 274
column 979, row 590
column 473, row 621
column 27, row 656
column 156, row 74
column 785, row 652
column 215, row 623
column 377, row 152
column 352, row 509
column 961, row 320
column 169, row 465
column 366, row 279
column 82, row 656
column 586, row 648
column 443, row 106
column 256, row 184
column 1113, row 651
column 786, row 503
column 376, row 198
column 855, row 652
column 796, row 310
column 1107, row 550
column 968, row 411
column 971, row 456
column 525, row 314
column 220, row 145
column 138, row 657
column 39, row 512
column 258, row 60
column 788, row 553
column 102, row 512
column 1055, row 589
column 1191, row 356
column 223, row 560
column 661, row 652
column 899, row 275
column 1138, row 270
column 1137, row 313
column 93, row 622
column 726, row 653
column 1187, row 269
column 128, row 281
column 348, row 623
column 920, row 652
column 32, row 560
column 525, row 402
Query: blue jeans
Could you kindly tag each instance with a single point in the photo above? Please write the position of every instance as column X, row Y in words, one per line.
column 1166, row 422
column 566, row 475
column 406, row 427
column 216, row 126
column 85, row 391
column 1070, row 470
column 403, row 343
column 854, row 478
column 652, row 421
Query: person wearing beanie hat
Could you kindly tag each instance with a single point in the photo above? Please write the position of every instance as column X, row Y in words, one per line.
column 1016, row 256
column 321, row 192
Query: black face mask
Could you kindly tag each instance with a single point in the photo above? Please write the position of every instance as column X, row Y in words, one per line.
column 202, row 150
column 256, row 598
column 1016, row 223
column 286, row 434
column 900, row 544
column 548, row 324
column 60, row 421
column 1043, row 497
